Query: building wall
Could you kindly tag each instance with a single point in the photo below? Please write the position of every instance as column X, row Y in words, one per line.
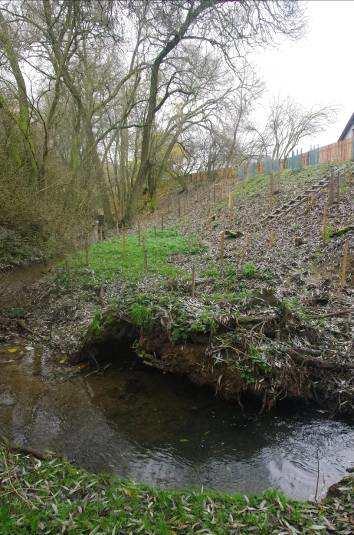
column 350, row 133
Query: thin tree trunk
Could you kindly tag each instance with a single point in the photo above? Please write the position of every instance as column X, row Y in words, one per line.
column 24, row 109
column 145, row 164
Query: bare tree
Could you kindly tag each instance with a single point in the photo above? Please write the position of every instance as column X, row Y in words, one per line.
column 289, row 123
column 120, row 86
column 227, row 27
column 9, row 48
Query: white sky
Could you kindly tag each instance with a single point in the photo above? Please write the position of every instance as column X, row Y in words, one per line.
column 317, row 69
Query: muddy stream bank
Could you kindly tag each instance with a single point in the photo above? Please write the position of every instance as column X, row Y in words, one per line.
column 14, row 283
column 162, row 430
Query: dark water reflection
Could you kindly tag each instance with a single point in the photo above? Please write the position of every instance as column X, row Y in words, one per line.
column 163, row 431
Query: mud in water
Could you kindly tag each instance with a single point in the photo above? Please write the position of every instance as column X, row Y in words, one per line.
column 162, row 430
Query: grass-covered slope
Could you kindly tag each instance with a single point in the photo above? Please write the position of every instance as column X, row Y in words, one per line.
column 267, row 316
column 130, row 257
column 52, row 496
column 264, row 313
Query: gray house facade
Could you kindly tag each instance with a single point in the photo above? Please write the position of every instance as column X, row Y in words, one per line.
column 348, row 132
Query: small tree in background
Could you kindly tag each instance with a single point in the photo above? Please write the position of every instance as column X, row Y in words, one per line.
column 289, row 123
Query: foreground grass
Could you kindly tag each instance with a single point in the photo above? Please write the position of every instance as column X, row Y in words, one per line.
column 130, row 257
column 52, row 496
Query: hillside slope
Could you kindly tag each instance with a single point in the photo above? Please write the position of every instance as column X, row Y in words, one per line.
column 261, row 308
column 262, row 313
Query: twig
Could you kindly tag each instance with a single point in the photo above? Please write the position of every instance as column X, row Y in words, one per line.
column 193, row 280
column 318, row 474
column 333, row 314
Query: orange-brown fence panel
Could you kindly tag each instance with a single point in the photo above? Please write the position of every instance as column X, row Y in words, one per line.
column 337, row 152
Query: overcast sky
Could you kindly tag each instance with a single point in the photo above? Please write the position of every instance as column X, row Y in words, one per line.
column 319, row 68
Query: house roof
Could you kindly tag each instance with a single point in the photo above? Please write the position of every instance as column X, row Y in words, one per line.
column 347, row 127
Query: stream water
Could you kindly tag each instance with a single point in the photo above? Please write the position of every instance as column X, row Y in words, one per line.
column 164, row 431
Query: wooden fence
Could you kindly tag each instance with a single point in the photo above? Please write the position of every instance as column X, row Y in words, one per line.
column 336, row 152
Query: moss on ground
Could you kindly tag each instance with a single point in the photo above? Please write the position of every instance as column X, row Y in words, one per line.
column 52, row 496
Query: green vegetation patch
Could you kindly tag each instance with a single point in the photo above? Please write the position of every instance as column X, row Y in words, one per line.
column 182, row 321
column 53, row 497
column 129, row 257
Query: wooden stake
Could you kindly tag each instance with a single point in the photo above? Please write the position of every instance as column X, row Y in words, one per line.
column 271, row 238
column 271, row 183
column 86, row 251
column 222, row 246
column 139, row 232
column 245, row 249
column 124, row 245
column 324, row 221
column 162, row 222
column 145, row 254
column 67, row 268
column 230, row 200
column 338, row 184
column 193, row 281
column 155, row 231
column 179, row 208
column 312, row 199
column 344, row 265
column 247, row 243
column 330, row 190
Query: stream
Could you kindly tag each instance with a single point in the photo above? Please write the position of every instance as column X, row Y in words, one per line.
column 161, row 430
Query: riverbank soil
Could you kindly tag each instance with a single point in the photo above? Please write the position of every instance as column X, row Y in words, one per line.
column 242, row 287
column 47, row 495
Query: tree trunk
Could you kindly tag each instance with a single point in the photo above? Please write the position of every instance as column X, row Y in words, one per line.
column 24, row 110
column 94, row 170
column 145, row 163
